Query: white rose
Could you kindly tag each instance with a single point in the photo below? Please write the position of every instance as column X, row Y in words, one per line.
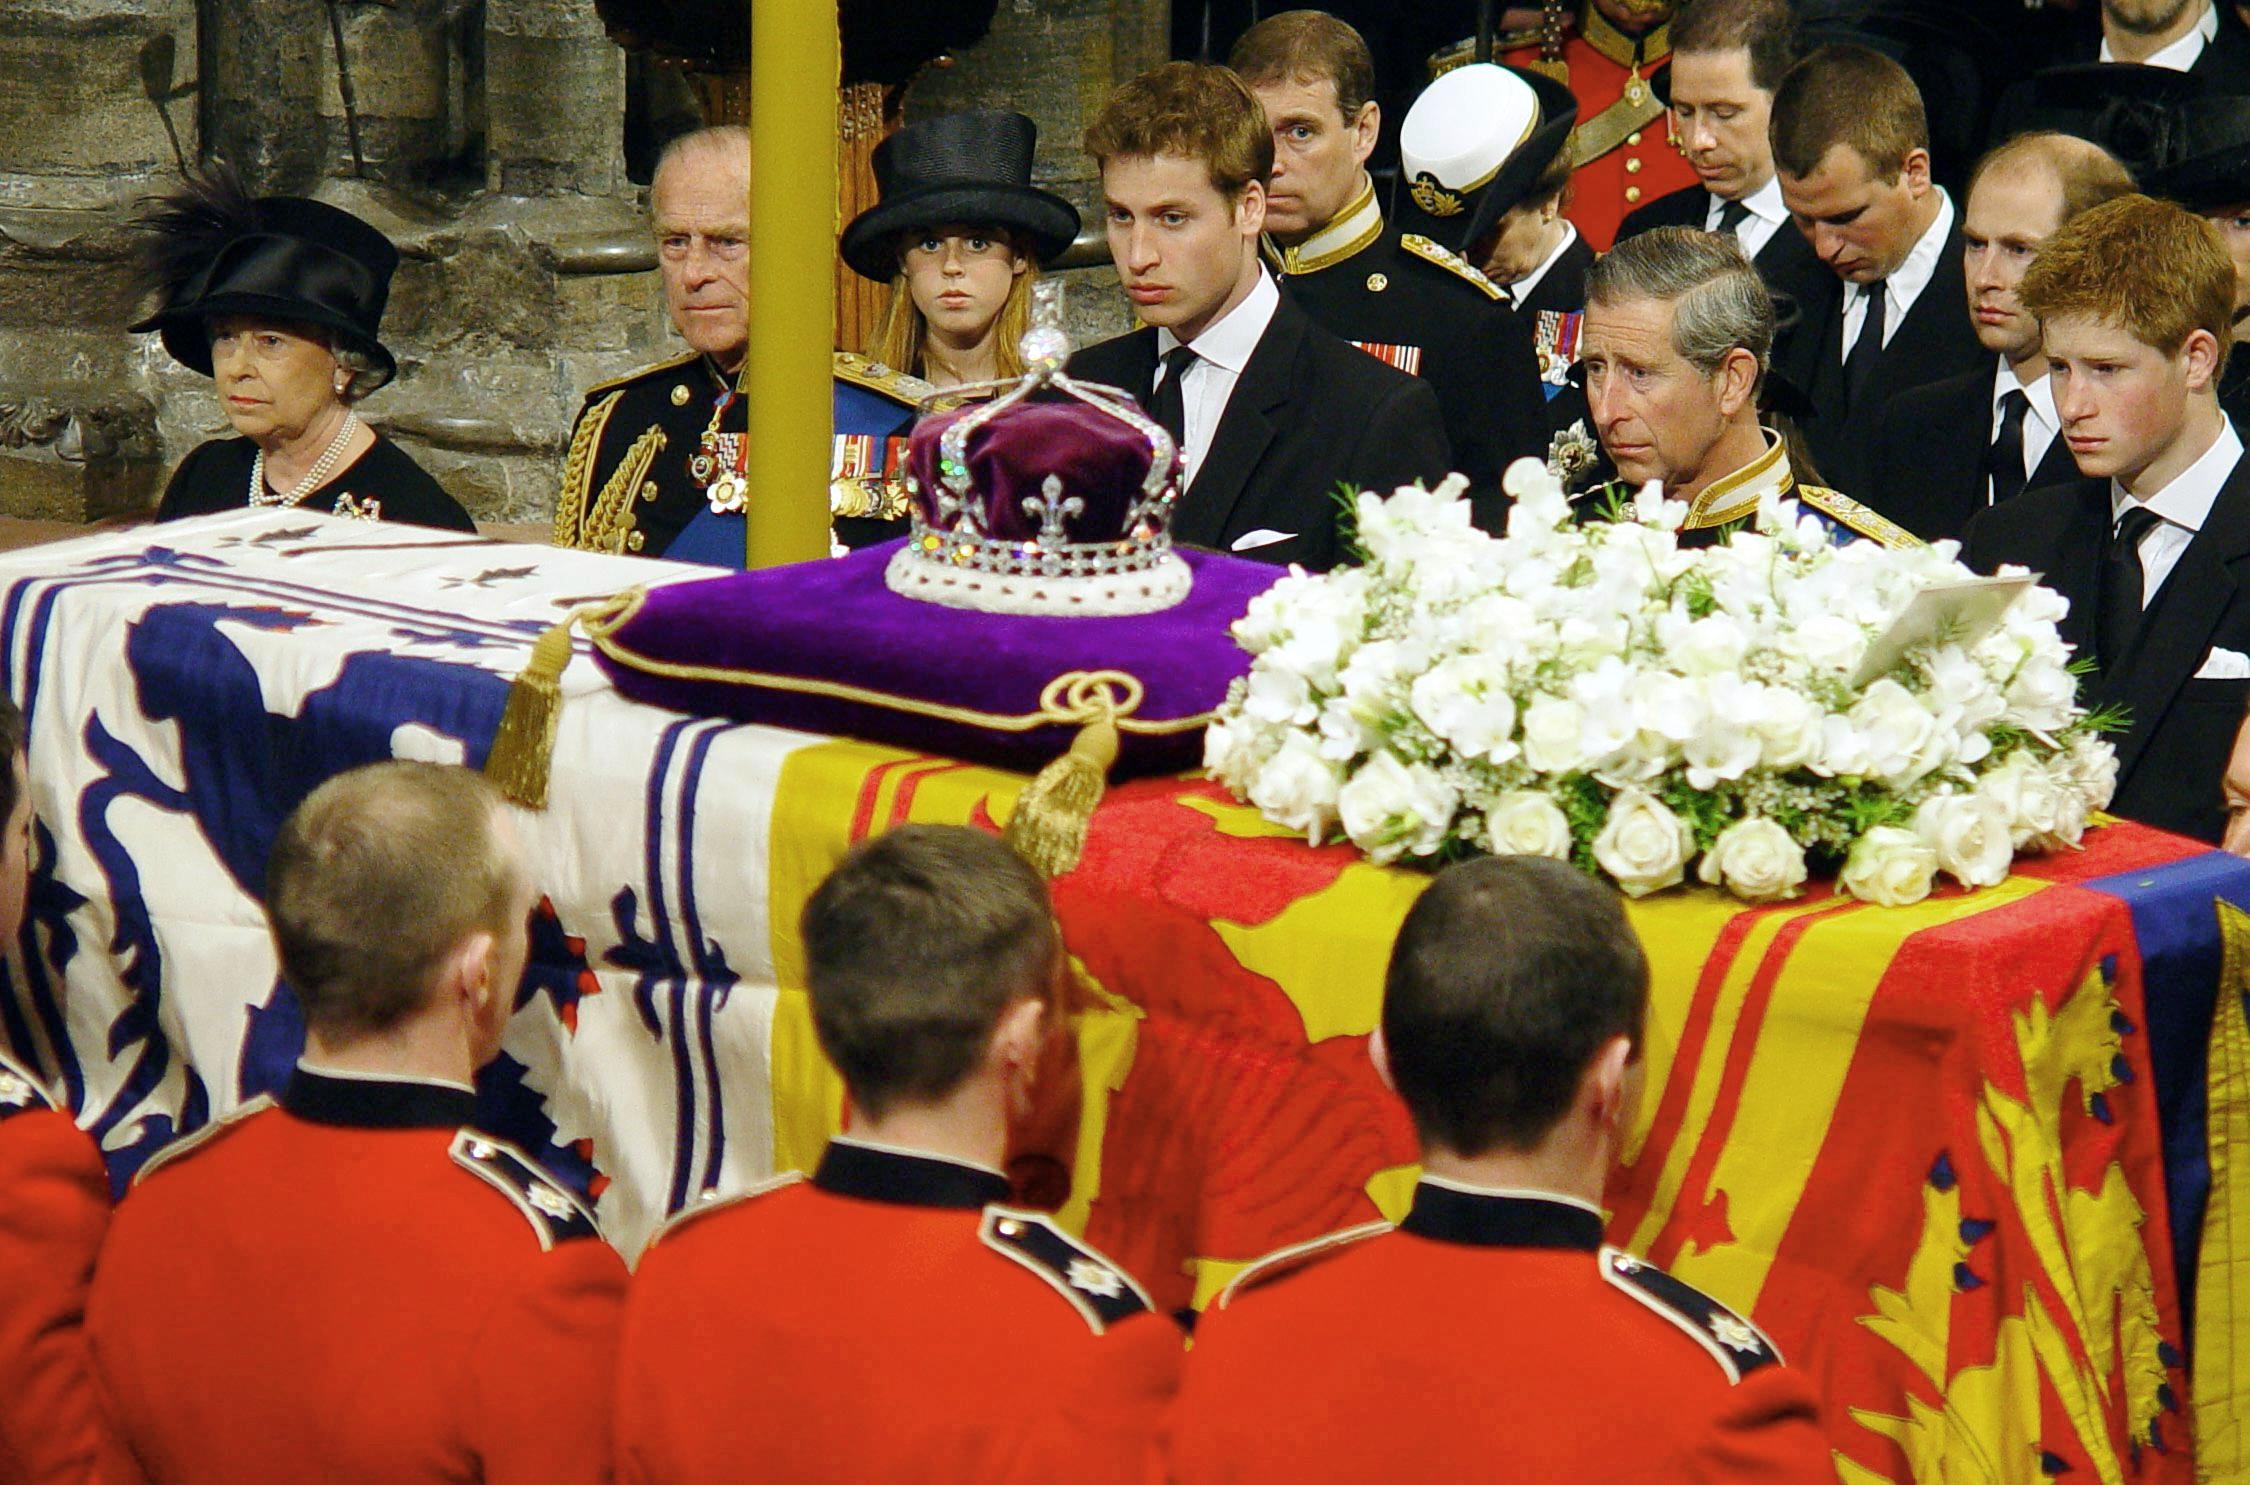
column 1756, row 860
column 1900, row 735
column 1969, row 833
column 1297, row 787
column 2026, row 796
column 1827, row 642
column 1392, row 809
column 1642, row 845
column 1524, row 822
column 1465, row 701
column 1231, row 750
column 1889, row 866
column 1711, row 645
column 2042, row 695
column 2093, row 769
column 1552, row 726
column 1790, row 730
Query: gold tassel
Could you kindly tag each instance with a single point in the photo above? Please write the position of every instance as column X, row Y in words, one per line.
column 1048, row 827
column 523, row 749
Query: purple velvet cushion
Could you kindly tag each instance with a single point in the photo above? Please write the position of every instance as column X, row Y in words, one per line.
column 834, row 621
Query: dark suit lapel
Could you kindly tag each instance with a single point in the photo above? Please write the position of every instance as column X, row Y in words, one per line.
column 2071, row 562
column 1244, row 432
column 2176, row 634
column 1929, row 324
column 2055, row 466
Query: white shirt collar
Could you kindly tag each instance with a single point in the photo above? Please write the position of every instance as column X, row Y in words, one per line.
column 355, row 1075
column 1764, row 203
column 868, row 1144
column 2186, row 502
column 1228, row 341
column 2040, row 390
column 2187, row 51
column 1521, row 289
column 1911, row 277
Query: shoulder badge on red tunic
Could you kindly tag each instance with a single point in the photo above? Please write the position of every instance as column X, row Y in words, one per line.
column 20, row 1089
column 1097, row 1288
column 713, row 1201
column 1737, row 1345
column 553, row 1212
column 188, row 1144
column 1295, row 1258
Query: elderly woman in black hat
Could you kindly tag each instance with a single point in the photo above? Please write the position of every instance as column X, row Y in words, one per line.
column 959, row 234
column 2209, row 174
column 279, row 300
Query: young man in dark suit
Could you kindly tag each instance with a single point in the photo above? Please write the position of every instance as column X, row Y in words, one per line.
column 1946, row 451
column 2151, row 545
column 1728, row 57
column 1851, row 146
column 1272, row 412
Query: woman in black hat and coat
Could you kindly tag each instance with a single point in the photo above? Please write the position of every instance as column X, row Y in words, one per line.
column 959, row 234
column 279, row 300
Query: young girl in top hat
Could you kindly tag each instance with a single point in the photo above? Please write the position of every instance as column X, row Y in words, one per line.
column 279, row 300
column 959, row 234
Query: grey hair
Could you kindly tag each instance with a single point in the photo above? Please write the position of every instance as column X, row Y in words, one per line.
column 1718, row 301
column 363, row 373
column 722, row 139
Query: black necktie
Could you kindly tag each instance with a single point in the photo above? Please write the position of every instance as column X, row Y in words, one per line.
column 2120, row 613
column 1859, row 366
column 2004, row 461
column 1168, row 403
column 1731, row 217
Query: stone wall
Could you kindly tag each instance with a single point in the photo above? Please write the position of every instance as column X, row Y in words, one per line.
column 488, row 145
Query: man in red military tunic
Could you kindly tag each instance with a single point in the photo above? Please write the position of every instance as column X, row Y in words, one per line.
column 353, row 1286
column 1491, row 1336
column 1624, row 151
column 54, row 1208
column 892, row 1318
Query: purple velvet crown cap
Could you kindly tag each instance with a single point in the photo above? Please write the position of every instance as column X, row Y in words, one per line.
column 1100, row 460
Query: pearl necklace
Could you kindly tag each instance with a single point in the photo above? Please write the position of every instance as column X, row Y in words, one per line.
column 260, row 495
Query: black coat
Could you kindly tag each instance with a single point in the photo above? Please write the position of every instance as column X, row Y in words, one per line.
column 1473, row 350
column 1310, row 412
column 1563, row 289
column 1935, row 340
column 383, row 481
column 2171, row 762
column 1927, row 470
column 1803, row 289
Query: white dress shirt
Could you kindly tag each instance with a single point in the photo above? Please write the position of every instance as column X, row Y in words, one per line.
column 1905, row 285
column 1521, row 289
column 1767, row 216
column 2041, row 426
column 2183, row 504
column 2187, row 51
column 1221, row 351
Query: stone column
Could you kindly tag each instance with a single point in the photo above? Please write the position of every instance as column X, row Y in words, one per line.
column 398, row 62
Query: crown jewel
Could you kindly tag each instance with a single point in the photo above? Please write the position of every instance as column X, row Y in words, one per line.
column 1042, row 504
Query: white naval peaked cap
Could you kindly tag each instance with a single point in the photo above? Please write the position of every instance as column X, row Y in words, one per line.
column 1466, row 124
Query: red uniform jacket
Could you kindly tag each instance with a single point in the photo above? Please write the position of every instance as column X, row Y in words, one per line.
column 1631, row 165
column 352, row 1288
column 54, row 1207
column 884, row 1323
column 1490, row 1338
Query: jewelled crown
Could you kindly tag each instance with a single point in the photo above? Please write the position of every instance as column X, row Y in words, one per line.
column 1052, row 496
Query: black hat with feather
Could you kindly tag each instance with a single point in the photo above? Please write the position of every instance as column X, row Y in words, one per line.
column 212, row 249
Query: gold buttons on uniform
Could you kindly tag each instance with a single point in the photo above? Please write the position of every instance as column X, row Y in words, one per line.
column 1632, row 193
column 680, row 395
column 1634, row 137
column 1633, row 167
column 1378, row 282
column 648, row 490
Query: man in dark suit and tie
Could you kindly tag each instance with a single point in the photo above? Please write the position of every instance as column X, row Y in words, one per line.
column 1271, row 412
column 1728, row 57
column 1851, row 146
column 2193, row 36
column 2151, row 545
column 1946, row 451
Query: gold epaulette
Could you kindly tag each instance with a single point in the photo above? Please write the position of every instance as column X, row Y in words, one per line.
column 1452, row 262
column 1289, row 1260
column 188, row 1144
column 1846, row 511
column 861, row 371
column 585, row 521
column 713, row 1202
column 631, row 377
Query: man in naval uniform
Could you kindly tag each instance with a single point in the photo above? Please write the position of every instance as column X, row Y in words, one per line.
column 1624, row 152
column 1679, row 332
column 1401, row 296
column 895, row 1317
column 1491, row 1335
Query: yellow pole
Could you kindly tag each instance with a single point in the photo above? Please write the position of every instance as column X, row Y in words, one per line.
column 795, row 69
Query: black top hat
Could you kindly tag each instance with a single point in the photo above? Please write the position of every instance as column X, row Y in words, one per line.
column 2210, row 170
column 971, row 168
column 1457, row 215
column 277, row 257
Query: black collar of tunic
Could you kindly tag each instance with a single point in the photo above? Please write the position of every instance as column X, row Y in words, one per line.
column 376, row 1103
column 873, row 1174
column 1487, row 1220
